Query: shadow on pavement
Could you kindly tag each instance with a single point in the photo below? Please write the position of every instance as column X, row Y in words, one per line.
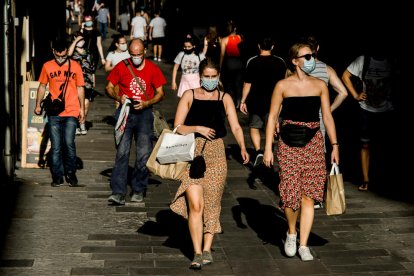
column 266, row 221
column 174, row 227
column 8, row 208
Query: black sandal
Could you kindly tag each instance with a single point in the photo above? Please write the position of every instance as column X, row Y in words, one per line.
column 364, row 186
column 197, row 262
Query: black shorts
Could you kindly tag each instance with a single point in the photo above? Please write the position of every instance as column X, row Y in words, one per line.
column 373, row 124
column 258, row 121
column 158, row 40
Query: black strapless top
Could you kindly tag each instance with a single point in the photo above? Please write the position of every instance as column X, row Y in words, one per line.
column 301, row 109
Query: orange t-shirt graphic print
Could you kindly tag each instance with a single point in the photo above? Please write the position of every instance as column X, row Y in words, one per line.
column 56, row 76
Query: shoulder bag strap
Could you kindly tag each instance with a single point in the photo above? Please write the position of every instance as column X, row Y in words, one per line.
column 62, row 94
column 136, row 78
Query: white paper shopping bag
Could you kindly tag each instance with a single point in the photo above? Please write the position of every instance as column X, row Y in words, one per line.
column 176, row 148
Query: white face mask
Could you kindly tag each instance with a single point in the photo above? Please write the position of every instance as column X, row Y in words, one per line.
column 123, row 47
column 137, row 60
column 60, row 60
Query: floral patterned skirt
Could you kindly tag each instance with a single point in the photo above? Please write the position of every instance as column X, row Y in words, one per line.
column 213, row 185
column 302, row 169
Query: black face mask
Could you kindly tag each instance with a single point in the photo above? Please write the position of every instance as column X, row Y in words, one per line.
column 188, row 51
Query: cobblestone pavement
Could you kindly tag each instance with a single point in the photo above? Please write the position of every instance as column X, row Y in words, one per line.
column 73, row 231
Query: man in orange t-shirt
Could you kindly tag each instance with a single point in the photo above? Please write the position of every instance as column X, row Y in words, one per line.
column 63, row 76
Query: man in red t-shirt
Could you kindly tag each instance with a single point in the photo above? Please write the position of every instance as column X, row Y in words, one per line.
column 144, row 87
column 64, row 77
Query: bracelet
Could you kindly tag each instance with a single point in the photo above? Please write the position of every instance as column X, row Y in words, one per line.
column 335, row 144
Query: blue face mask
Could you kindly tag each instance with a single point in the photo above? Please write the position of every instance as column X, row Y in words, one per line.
column 209, row 84
column 309, row 65
column 88, row 23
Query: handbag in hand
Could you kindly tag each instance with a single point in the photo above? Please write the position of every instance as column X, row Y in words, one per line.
column 198, row 166
column 335, row 193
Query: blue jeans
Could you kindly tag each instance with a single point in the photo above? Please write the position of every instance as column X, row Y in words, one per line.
column 62, row 137
column 139, row 127
column 103, row 29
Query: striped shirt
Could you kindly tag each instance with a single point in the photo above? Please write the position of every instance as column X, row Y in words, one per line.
column 321, row 71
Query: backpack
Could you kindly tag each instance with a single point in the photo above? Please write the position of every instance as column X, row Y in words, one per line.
column 198, row 55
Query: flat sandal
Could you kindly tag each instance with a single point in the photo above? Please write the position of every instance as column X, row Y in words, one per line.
column 363, row 187
column 197, row 262
column 207, row 258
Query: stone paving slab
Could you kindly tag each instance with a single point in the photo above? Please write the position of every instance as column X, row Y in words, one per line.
column 75, row 231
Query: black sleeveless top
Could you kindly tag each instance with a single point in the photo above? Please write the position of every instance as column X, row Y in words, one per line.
column 208, row 113
column 301, row 109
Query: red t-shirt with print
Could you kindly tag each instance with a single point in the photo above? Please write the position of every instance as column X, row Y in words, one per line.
column 55, row 75
column 150, row 77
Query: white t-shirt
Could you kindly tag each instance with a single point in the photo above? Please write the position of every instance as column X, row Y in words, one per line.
column 158, row 25
column 377, row 83
column 139, row 23
column 115, row 57
column 189, row 63
column 124, row 20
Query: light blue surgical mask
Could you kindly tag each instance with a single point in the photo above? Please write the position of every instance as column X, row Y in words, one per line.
column 88, row 23
column 309, row 65
column 209, row 84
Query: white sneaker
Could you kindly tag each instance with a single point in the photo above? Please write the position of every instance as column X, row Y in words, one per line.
column 78, row 131
column 290, row 244
column 83, row 130
column 155, row 59
column 159, row 59
column 305, row 254
column 318, row 205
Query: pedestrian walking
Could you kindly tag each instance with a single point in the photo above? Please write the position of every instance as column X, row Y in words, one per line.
column 93, row 39
column 63, row 76
column 117, row 52
column 212, row 42
column 377, row 74
column 81, row 54
column 189, row 60
column 326, row 73
column 262, row 73
column 142, row 82
column 301, row 158
column 203, row 111
column 157, row 35
column 104, row 20
column 231, row 63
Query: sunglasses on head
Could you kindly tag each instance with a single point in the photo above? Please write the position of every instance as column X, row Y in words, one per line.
column 308, row 56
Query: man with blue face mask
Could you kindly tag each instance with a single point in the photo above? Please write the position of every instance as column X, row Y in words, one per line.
column 140, row 81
